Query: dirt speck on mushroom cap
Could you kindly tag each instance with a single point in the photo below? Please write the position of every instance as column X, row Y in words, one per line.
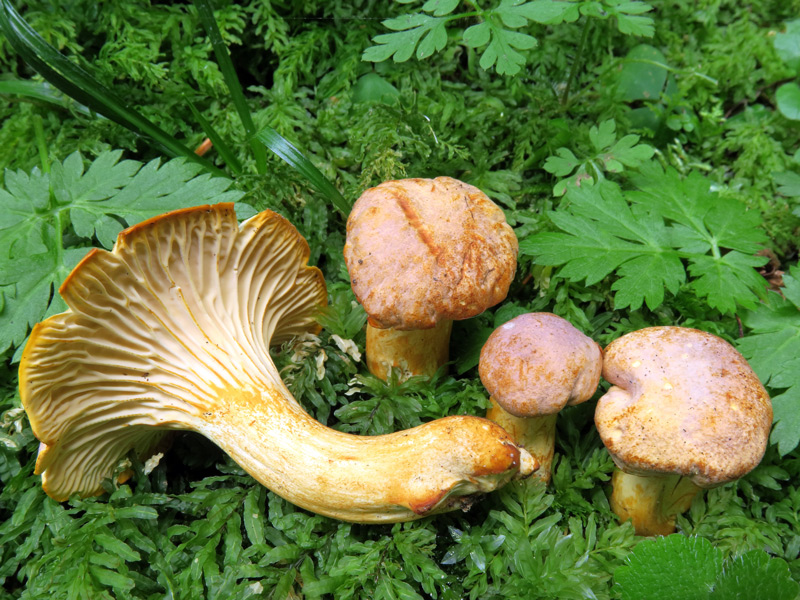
column 537, row 363
column 422, row 250
column 684, row 401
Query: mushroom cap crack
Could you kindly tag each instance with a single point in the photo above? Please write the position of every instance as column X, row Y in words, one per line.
column 423, row 250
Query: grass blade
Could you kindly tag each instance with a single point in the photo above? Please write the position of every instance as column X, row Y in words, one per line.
column 295, row 159
column 82, row 86
column 224, row 150
column 206, row 14
column 39, row 90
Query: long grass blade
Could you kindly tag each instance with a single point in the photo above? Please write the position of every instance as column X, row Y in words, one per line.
column 80, row 85
column 216, row 139
column 206, row 14
column 42, row 91
column 295, row 159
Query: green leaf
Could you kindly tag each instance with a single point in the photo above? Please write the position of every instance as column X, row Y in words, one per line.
column 788, row 99
column 96, row 202
column 773, row 350
column 501, row 52
column 643, row 74
column 629, row 19
column 687, row 565
column 374, row 88
column 788, row 183
column 550, row 12
column 651, row 237
column 754, row 575
column 409, row 29
column 440, row 8
column 787, row 45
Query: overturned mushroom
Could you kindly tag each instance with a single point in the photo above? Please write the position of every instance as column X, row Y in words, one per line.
column 533, row 366
column 422, row 253
column 171, row 330
column 685, row 412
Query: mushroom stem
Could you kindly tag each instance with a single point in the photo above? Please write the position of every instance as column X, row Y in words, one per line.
column 536, row 434
column 416, row 352
column 651, row 502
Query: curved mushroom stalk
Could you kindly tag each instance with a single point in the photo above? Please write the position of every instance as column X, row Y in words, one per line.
column 415, row 352
column 171, row 330
column 651, row 502
column 684, row 404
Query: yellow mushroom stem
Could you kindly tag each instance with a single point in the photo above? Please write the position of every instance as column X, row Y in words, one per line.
column 651, row 502
column 416, row 352
column 536, row 434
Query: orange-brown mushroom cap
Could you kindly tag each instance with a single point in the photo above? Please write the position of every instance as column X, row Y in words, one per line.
column 423, row 250
column 684, row 402
column 537, row 363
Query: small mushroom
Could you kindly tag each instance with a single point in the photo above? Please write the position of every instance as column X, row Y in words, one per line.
column 422, row 253
column 533, row 366
column 171, row 330
column 685, row 412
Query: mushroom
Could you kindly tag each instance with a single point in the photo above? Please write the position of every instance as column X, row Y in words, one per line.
column 685, row 412
column 533, row 366
column 171, row 330
column 420, row 254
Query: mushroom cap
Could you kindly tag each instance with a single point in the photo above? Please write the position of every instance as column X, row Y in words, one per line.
column 537, row 363
column 185, row 304
column 683, row 402
column 422, row 250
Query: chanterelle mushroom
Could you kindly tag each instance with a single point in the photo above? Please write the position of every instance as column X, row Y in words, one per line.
column 533, row 366
column 422, row 253
column 171, row 330
column 686, row 412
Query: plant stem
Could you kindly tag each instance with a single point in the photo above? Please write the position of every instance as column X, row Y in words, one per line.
column 576, row 64
column 41, row 143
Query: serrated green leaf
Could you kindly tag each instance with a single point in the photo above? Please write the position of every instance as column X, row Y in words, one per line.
column 689, row 564
column 755, row 575
column 773, row 350
column 727, row 281
column 400, row 46
column 788, row 183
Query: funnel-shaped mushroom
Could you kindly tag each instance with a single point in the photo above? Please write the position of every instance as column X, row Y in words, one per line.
column 422, row 253
column 685, row 412
column 533, row 366
column 171, row 330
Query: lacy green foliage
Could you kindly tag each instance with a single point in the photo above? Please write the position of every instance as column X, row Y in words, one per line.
column 425, row 33
column 217, row 533
column 681, row 568
column 49, row 218
column 773, row 350
column 611, row 155
column 644, row 237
